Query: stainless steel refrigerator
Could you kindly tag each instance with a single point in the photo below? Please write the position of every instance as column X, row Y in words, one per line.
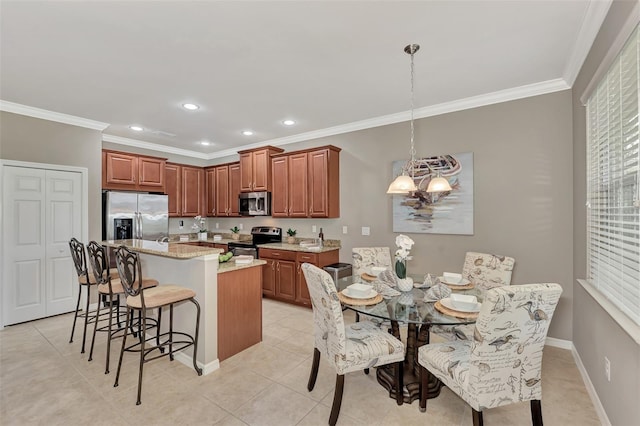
column 132, row 215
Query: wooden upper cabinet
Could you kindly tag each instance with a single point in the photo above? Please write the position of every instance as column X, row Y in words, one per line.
column 210, row 185
column 324, row 182
column 222, row 191
column 290, row 190
column 298, row 185
column 173, row 188
column 234, row 189
column 255, row 168
column 306, row 183
column 280, row 186
column 119, row 168
column 192, row 191
column 126, row 171
column 151, row 174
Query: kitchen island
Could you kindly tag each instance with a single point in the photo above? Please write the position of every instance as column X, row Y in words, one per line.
column 229, row 296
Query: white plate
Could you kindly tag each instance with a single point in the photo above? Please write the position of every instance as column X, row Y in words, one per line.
column 372, row 293
column 464, row 281
column 446, row 302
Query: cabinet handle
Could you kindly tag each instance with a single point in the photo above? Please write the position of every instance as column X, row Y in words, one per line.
column 278, row 266
column 213, row 211
column 273, row 265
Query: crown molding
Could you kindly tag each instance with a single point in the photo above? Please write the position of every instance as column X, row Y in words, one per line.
column 515, row 93
column 506, row 95
column 154, row 147
column 615, row 48
column 593, row 19
column 51, row 115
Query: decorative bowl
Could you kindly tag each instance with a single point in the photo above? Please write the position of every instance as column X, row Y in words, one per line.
column 359, row 290
column 463, row 301
column 377, row 270
column 451, row 277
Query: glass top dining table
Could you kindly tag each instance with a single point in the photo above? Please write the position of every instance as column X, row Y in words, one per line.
column 408, row 307
column 411, row 310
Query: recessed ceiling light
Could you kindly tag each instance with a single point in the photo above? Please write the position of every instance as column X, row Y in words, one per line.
column 247, row 132
column 288, row 122
column 136, row 128
column 205, row 143
column 191, row 107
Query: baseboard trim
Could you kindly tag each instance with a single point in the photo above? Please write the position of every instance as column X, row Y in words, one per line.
column 602, row 414
column 188, row 361
column 559, row 343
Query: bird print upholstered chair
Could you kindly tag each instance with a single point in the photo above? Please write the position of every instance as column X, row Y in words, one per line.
column 346, row 348
column 502, row 364
column 488, row 270
column 485, row 271
column 366, row 257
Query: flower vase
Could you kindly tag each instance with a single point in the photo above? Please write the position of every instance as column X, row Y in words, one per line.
column 291, row 240
column 406, row 299
column 202, row 236
column 405, row 284
column 235, row 236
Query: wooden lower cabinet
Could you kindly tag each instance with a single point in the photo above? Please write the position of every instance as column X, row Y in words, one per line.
column 239, row 310
column 283, row 278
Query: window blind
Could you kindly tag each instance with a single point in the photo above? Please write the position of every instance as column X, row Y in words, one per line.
column 613, row 182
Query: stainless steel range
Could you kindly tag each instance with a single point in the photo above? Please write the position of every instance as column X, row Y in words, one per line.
column 260, row 235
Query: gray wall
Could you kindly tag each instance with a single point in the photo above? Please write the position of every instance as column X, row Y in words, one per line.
column 595, row 333
column 40, row 141
column 523, row 191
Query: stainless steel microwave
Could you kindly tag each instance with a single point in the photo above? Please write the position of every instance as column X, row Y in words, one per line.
column 255, row 203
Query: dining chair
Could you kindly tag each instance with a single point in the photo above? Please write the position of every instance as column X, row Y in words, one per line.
column 142, row 299
column 485, row 271
column 488, row 270
column 502, row 364
column 363, row 259
column 347, row 348
column 85, row 280
column 111, row 288
column 366, row 257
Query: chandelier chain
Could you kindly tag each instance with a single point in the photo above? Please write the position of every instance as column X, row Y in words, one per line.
column 413, row 149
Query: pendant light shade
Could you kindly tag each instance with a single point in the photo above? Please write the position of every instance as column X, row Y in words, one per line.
column 403, row 184
column 438, row 184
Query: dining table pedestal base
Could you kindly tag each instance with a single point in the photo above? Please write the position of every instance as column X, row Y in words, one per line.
column 411, row 390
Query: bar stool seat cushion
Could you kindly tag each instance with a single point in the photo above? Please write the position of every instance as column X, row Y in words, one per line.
column 161, row 296
column 116, row 285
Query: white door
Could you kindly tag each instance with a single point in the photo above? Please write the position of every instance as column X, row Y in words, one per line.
column 41, row 212
column 63, row 220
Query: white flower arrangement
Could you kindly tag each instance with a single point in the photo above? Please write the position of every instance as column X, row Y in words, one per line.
column 404, row 245
column 199, row 224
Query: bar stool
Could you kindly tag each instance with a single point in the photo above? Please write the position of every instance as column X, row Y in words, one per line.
column 84, row 280
column 111, row 287
column 142, row 299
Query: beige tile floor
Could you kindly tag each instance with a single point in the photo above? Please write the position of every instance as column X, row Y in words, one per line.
column 45, row 380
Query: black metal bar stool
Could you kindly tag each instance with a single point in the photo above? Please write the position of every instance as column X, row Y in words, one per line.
column 85, row 280
column 111, row 288
column 142, row 299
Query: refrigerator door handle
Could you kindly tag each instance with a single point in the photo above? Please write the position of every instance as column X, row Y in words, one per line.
column 139, row 225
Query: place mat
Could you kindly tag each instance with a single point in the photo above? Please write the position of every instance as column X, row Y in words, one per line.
column 457, row 314
column 360, row 302
column 460, row 287
column 368, row 278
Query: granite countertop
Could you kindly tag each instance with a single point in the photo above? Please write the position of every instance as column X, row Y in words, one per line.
column 298, row 247
column 173, row 250
column 231, row 265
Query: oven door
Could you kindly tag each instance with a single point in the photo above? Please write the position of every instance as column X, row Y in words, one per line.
column 249, row 251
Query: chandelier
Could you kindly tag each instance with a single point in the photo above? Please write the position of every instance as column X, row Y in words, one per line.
column 405, row 183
